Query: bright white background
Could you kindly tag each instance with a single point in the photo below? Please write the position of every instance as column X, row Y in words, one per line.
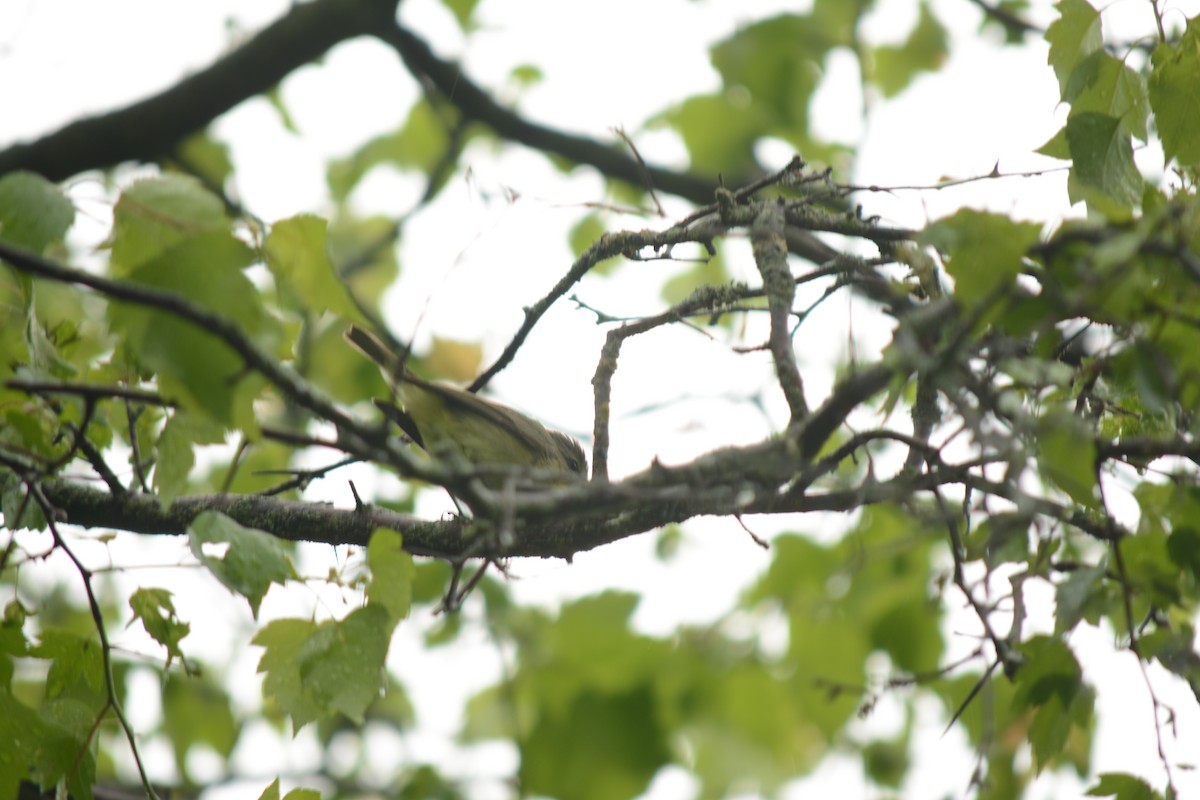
column 471, row 260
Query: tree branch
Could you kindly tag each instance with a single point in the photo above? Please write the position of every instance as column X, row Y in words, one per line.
column 154, row 126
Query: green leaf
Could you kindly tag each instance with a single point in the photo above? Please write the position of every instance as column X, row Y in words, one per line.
column 1151, row 570
column 746, row 725
column 1067, row 456
column 1174, row 649
column 342, row 663
column 1123, row 787
column 420, row 143
column 34, row 213
column 193, row 366
column 302, row 794
column 719, row 131
column 1175, row 96
column 392, row 573
column 252, row 562
column 157, row 614
column 1050, row 670
column 1051, row 682
column 1056, row 146
column 1105, row 85
column 208, row 158
column 271, row 792
column 1077, row 595
column 526, row 75
column 985, row 250
column 363, row 251
column 1183, row 545
column 1074, row 36
column 1103, row 158
column 778, row 60
column 924, row 50
column 711, row 271
column 602, row 746
column 155, row 214
column 19, row 510
column 298, row 257
column 430, row 579
column 586, row 233
column 274, row 96
column 282, row 641
column 175, row 451
column 313, row 670
column 13, row 643
column 462, row 11
column 1001, row 538
column 197, row 711
column 44, row 747
column 76, row 666
column 887, row 762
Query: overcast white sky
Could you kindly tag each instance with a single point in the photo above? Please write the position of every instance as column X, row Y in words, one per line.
column 473, row 259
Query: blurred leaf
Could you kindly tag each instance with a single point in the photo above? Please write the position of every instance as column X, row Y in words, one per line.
column 45, row 747
column 710, row 271
column 1123, row 787
column 1001, row 538
column 462, row 11
column 1015, row 9
column 282, row 641
column 1078, row 596
column 778, row 60
column 925, row 50
column 426, row 783
column 985, row 250
column 1183, row 545
column 18, row 508
column 256, row 470
column 453, row 360
column 364, row 251
column 274, row 96
column 602, row 746
column 887, row 762
column 155, row 214
column 419, row 144
column 297, row 255
column 302, row 794
column 76, row 666
column 197, row 711
column 392, row 573
column 1067, row 456
column 34, row 213
column 719, row 131
column 1151, row 571
column 586, row 233
column 251, row 563
column 1175, row 96
column 1051, row 682
column 526, row 75
column 430, row 579
column 1075, row 35
column 668, row 542
column 208, row 158
column 175, row 451
column 192, row 365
